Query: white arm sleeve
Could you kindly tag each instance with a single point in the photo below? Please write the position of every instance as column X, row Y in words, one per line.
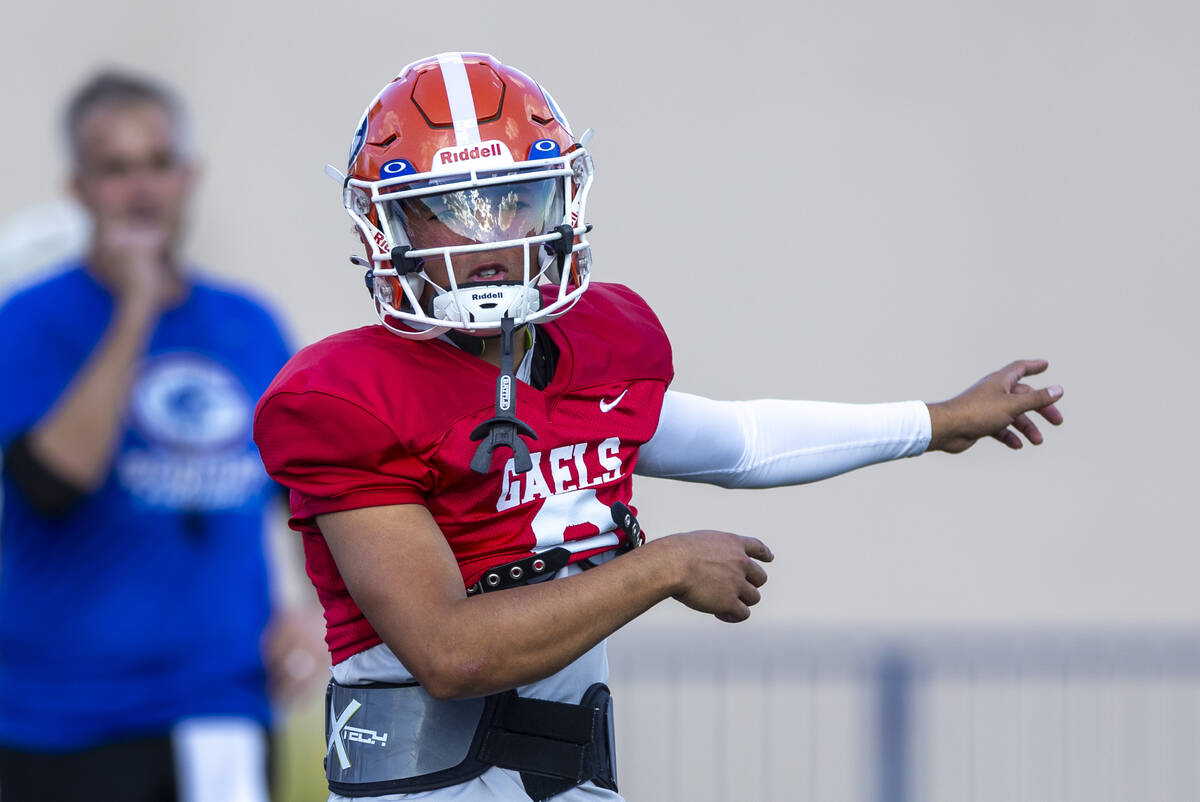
column 770, row 443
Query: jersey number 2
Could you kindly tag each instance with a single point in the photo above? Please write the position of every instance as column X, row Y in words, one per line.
column 568, row 509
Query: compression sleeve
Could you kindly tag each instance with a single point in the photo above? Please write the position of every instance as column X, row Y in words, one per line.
column 771, row 443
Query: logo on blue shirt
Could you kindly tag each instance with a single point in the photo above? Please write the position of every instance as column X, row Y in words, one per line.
column 194, row 416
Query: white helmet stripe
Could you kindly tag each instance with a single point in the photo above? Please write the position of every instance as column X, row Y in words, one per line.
column 462, row 104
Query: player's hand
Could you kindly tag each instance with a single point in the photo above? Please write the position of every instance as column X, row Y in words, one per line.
column 991, row 406
column 294, row 655
column 720, row 572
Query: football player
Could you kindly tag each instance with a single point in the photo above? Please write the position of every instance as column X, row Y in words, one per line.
column 462, row 473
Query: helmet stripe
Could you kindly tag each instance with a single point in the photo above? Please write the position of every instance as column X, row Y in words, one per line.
column 462, row 103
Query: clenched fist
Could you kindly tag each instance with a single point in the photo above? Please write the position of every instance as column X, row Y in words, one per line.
column 719, row 572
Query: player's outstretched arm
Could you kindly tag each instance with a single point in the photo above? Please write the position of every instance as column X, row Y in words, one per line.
column 774, row 443
column 991, row 406
column 401, row 572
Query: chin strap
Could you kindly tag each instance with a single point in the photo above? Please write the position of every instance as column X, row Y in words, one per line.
column 503, row 428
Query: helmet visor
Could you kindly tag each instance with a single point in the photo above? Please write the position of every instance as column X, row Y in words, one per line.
column 494, row 213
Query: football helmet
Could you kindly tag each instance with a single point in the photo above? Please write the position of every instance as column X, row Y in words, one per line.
column 464, row 162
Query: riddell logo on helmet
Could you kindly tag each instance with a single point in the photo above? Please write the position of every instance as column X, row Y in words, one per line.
column 449, row 158
column 470, row 154
column 486, row 296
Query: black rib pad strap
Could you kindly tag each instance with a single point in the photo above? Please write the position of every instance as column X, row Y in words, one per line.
column 529, row 753
column 555, row 746
column 544, row 565
column 525, row 571
column 570, row 723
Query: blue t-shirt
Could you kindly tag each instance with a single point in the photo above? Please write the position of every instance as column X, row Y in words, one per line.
column 145, row 604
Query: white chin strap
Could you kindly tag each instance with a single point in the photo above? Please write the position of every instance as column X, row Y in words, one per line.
column 487, row 303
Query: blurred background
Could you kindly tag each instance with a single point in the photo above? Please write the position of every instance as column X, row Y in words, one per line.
column 860, row 201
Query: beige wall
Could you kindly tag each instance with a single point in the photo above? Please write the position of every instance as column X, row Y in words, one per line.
column 847, row 201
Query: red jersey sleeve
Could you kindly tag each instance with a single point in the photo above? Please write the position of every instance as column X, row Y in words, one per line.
column 333, row 455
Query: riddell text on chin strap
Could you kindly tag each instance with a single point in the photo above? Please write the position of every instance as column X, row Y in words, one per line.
column 503, row 429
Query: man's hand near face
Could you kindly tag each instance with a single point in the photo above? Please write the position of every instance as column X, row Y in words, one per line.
column 132, row 259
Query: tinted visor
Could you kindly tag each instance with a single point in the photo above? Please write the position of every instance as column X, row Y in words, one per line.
column 484, row 214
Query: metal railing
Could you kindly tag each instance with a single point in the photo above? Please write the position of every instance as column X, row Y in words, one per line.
column 908, row 717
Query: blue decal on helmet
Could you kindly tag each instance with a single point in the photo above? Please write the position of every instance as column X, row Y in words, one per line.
column 544, row 149
column 396, row 167
column 360, row 139
column 556, row 111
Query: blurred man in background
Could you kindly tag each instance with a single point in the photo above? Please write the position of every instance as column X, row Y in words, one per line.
column 135, row 650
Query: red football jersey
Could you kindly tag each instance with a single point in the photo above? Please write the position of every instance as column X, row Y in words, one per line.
column 365, row 418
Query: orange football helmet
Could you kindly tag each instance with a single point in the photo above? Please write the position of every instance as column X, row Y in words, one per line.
column 461, row 155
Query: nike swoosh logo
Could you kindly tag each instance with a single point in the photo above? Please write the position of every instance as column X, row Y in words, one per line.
column 605, row 406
